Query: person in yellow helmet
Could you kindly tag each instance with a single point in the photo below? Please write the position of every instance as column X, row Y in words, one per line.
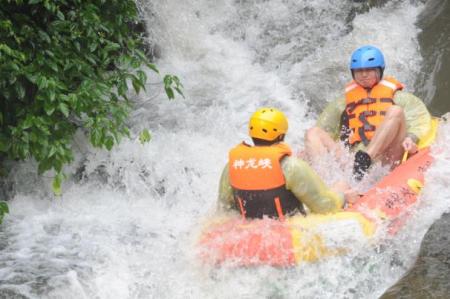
column 266, row 180
column 375, row 118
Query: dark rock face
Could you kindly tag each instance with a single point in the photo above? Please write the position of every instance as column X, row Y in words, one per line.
column 430, row 276
column 433, row 85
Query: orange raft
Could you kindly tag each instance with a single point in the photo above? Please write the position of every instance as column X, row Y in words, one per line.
column 298, row 239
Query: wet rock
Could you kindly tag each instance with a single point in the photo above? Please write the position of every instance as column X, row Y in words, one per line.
column 433, row 83
column 10, row 293
column 430, row 276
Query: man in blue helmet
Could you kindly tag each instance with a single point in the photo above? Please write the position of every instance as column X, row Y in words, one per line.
column 375, row 118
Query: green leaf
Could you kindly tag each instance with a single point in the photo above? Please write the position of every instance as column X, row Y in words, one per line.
column 93, row 47
column 145, row 136
column 42, row 82
column 27, row 123
column 109, row 143
column 60, row 15
column 122, row 88
column 49, row 53
column 13, row 66
column 77, row 46
column 169, row 93
column 12, row 79
column 3, row 210
column 52, row 151
column 7, row 50
column 111, row 46
column 51, row 95
column 136, row 85
column 91, row 60
column 56, row 185
column 142, row 77
column 43, row 166
column 31, row 77
column 49, row 108
column 4, row 207
column 20, row 91
column 64, row 109
column 172, row 82
column 168, row 79
column 52, row 65
column 180, row 92
column 153, row 67
column 44, row 35
column 95, row 137
column 135, row 63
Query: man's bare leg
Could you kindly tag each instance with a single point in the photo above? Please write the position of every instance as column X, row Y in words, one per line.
column 387, row 141
column 386, row 144
column 319, row 143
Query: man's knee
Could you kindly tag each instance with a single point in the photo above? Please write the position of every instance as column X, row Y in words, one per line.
column 313, row 133
column 395, row 112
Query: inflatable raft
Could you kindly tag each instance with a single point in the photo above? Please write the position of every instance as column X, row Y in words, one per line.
column 298, row 239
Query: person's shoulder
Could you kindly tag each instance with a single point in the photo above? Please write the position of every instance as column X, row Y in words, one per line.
column 405, row 96
column 283, row 147
column 240, row 145
column 403, row 93
column 338, row 104
column 293, row 162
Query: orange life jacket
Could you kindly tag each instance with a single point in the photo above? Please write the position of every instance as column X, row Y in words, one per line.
column 258, row 181
column 365, row 110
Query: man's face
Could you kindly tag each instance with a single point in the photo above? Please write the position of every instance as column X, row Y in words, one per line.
column 367, row 78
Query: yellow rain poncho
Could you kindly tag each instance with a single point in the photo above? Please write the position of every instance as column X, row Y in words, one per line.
column 301, row 180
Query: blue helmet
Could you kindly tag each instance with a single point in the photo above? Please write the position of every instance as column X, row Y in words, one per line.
column 367, row 57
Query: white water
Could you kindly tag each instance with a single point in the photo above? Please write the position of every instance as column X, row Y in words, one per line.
column 126, row 224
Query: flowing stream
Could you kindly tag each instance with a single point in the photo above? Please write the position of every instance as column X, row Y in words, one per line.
column 127, row 223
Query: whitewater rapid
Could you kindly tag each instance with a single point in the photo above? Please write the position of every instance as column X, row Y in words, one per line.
column 127, row 222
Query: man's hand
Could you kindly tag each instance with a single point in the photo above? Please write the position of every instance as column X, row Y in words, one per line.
column 350, row 195
column 409, row 145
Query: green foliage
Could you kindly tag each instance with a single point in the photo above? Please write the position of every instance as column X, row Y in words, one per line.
column 68, row 64
column 145, row 136
column 56, row 185
column 3, row 210
column 170, row 83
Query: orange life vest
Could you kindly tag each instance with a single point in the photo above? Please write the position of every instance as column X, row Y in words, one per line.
column 365, row 110
column 258, row 181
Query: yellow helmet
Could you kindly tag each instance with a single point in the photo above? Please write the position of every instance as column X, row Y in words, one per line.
column 267, row 124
